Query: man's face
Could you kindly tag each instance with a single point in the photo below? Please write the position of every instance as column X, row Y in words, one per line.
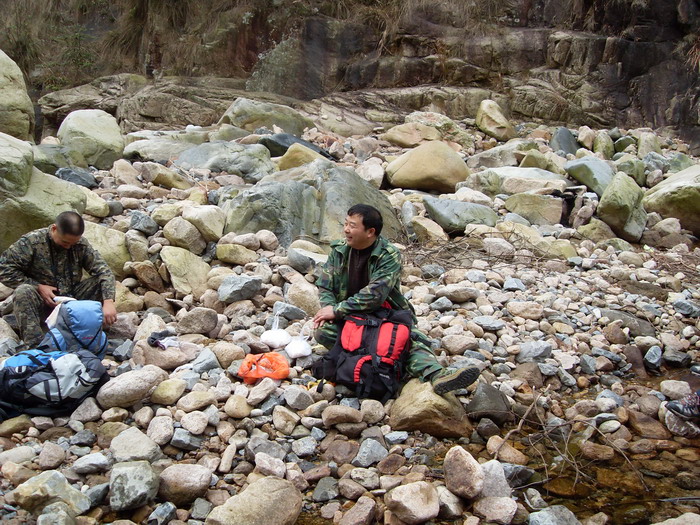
column 355, row 233
column 63, row 240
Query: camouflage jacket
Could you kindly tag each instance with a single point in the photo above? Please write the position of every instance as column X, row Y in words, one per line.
column 384, row 269
column 35, row 259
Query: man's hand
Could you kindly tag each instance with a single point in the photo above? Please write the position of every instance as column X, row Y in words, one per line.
column 47, row 293
column 109, row 312
column 324, row 314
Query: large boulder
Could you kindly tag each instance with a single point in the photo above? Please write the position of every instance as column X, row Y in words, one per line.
column 259, row 504
column 591, row 171
column 430, row 166
column 95, row 134
column 155, row 150
column 453, row 216
column 679, row 197
column 411, row 134
column 16, row 110
column 508, row 154
column 620, row 208
column 310, row 201
column 490, row 120
column 188, row 273
column 111, row 244
column 251, row 114
column 45, row 197
column 49, row 158
column 252, row 162
column 16, row 160
column 511, row 180
column 448, row 128
column 537, row 209
column 419, row 408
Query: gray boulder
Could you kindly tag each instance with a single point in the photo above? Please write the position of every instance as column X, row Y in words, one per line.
column 679, row 197
column 620, row 208
column 308, row 201
column 591, row 171
column 537, row 209
column 251, row 114
column 564, row 140
column 252, row 162
column 131, row 485
column 454, row 216
column 511, row 179
column 51, row 157
column 238, row 288
column 16, row 109
column 95, row 134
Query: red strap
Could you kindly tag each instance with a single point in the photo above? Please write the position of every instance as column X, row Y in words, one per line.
column 358, row 367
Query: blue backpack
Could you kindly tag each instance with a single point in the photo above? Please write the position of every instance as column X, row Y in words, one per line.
column 48, row 383
column 79, row 325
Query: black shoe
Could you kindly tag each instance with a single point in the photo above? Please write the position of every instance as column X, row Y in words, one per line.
column 450, row 381
column 686, row 408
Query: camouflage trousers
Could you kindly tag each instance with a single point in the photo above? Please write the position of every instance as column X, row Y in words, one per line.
column 31, row 311
column 421, row 359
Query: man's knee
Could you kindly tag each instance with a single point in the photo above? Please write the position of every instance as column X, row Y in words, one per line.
column 326, row 335
column 25, row 293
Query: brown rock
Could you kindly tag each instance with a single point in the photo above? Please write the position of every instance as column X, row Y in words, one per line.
column 647, row 427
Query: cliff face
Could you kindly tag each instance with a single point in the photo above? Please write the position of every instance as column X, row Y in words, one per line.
column 627, row 67
column 629, row 63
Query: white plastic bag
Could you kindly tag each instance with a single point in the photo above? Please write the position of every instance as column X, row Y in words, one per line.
column 299, row 346
column 277, row 337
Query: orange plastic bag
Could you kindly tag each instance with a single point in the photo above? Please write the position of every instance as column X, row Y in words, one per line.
column 256, row 366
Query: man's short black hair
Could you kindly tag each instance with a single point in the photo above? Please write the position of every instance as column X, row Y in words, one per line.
column 371, row 218
column 70, row 223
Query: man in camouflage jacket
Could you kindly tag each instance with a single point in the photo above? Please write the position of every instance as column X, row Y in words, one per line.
column 48, row 263
column 361, row 273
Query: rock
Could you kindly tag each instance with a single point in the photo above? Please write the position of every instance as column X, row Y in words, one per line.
column 155, row 150
column 487, row 401
column 454, row 216
column 182, row 484
column 490, row 120
column 496, row 509
column 563, row 140
column 130, row 387
column 209, row 220
column 591, row 171
column 51, row 456
column 279, row 143
column 199, row 320
column 428, row 231
column 512, row 180
column 168, row 392
column 187, row 271
column 94, row 205
column 688, row 518
column 464, row 476
column 503, row 451
column 134, row 445
column 647, row 143
column 413, row 503
column 297, row 155
column 15, row 425
column 258, row 504
column 361, row 513
column 620, row 207
column 430, row 166
column 287, row 204
column 78, row 176
column 251, row 162
column 537, row 209
column 554, row 515
column 131, row 485
column 447, row 127
column 111, row 244
column 161, row 176
column 507, row 154
column 235, row 254
column 411, row 134
column 251, row 115
column 238, row 288
column 95, row 134
column 47, row 488
column 647, row 427
column 677, row 196
column 526, row 309
column 184, row 234
column 419, row 408
column 16, row 108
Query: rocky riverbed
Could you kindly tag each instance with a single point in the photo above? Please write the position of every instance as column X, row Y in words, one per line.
column 561, row 262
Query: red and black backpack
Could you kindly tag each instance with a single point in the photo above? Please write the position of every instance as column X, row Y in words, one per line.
column 370, row 353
